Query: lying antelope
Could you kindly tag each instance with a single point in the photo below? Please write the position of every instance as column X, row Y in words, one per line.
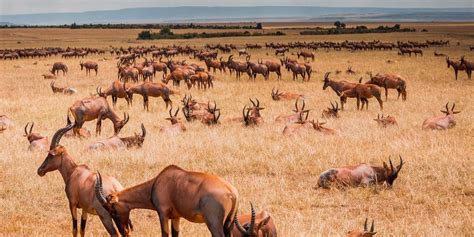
column 442, row 122
column 365, row 233
column 252, row 117
column 254, row 225
column 386, row 121
column 37, row 142
column 64, row 90
column 211, row 118
column 292, row 117
column 79, row 181
column 175, row 193
column 360, row 175
column 115, row 142
column 331, row 112
column 6, row 122
column 96, row 108
column 176, row 125
column 284, row 95
column 305, row 125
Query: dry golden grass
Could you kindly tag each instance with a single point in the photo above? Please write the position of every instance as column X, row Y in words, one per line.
column 433, row 195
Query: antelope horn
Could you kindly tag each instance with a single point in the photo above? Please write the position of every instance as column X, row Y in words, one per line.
column 243, row 113
column 447, row 106
column 99, row 192
column 143, row 131
column 307, row 114
column 239, row 226
column 372, row 227
column 296, row 105
column 401, row 164
column 365, row 225
column 170, row 112
column 304, row 103
column 332, row 105
column 391, row 165
column 258, row 103
column 58, row 135
column 26, row 126
column 252, row 102
column 452, row 109
column 252, row 220
column 31, row 128
column 176, row 113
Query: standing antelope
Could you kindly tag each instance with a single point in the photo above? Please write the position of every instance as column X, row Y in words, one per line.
column 147, row 89
column 386, row 121
column 95, row 108
column 469, row 65
column 442, row 122
column 254, row 225
column 365, row 233
column 37, row 142
column 457, row 66
column 339, row 86
column 79, row 181
column 331, row 112
column 176, row 125
column 390, row 81
column 117, row 90
column 176, row 193
column 116, row 142
column 306, row 55
column 284, row 95
column 59, row 66
column 360, row 175
column 361, row 92
column 89, row 65
column 257, row 68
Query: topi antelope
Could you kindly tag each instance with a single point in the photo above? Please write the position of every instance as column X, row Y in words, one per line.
column 254, row 225
column 176, row 125
column 386, row 121
column 292, row 117
column 442, row 122
column 59, row 66
column 252, row 117
column 89, row 65
column 212, row 116
column 117, row 90
column 37, row 142
column 305, row 125
column 331, row 112
column 79, row 181
column 350, row 71
column 360, row 175
column 176, row 193
column 64, row 90
column 362, row 92
column 6, row 122
column 390, row 81
column 284, row 95
column 96, row 108
column 306, row 55
column 339, row 86
column 457, row 66
column 150, row 89
column 365, row 233
column 116, row 142
column 469, row 65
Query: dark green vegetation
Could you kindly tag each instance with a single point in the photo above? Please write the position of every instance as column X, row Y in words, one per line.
column 340, row 28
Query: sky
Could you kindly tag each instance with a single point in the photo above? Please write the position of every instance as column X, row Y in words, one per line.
column 10, row 7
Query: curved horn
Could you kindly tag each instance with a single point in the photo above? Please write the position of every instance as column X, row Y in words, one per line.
column 59, row 134
column 26, row 126
column 365, row 225
column 31, row 128
column 252, row 220
column 391, row 165
column 170, row 112
column 372, row 227
column 143, row 131
column 126, row 117
column 99, row 192
column 452, row 109
column 401, row 164
column 304, row 103
column 258, row 103
column 252, row 102
column 239, row 226
column 176, row 113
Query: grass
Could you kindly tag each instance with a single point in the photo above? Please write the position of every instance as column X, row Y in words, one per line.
column 433, row 195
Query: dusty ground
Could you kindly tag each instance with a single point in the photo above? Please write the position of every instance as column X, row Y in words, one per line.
column 433, row 195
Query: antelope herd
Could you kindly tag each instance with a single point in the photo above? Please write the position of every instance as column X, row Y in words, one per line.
column 199, row 197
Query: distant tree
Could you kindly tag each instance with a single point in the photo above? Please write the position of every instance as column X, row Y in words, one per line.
column 74, row 25
column 396, row 26
column 343, row 25
column 259, row 26
column 337, row 24
column 165, row 31
column 146, row 34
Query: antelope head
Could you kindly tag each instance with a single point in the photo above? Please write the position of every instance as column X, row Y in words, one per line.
column 256, row 107
column 276, row 94
column 119, row 125
column 216, row 114
column 53, row 160
column 173, row 118
column 450, row 112
column 100, row 93
column 30, row 135
column 392, row 172
column 365, row 233
column 297, row 110
column 251, row 229
column 326, row 80
column 333, row 111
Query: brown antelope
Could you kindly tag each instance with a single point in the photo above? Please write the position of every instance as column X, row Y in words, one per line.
column 176, row 125
column 386, row 121
column 214, row 64
column 194, row 110
column 296, row 69
column 390, row 81
column 95, row 108
column 292, row 117
column 339, row 86
column 160, row 67
column 304, row 125
column 176, row 193
column 81, row 133
column 274, row 67
column 147, row 89
column 117, row 90
column 116, row 142
column 306, row 55
column 457, row 66
column 2, row 129
column 210, row 118
column 37, row 142
column 281, row 51
column 203, row 80
column 252, row 117
column 89, row 65
column 257, row 68
column 59, row 66
column 365, row 233
column 468, row 65
column 350, row 71
column 254, row 225
column 361, row 92
column 360, row 175
column 48, row 76
column 442, row 122
column 79, row 181
column 284, row 95
column 238, row 67
column 63, row 90
column 331, row 112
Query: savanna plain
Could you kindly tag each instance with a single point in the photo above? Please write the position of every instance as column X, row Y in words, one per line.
column 433, row 195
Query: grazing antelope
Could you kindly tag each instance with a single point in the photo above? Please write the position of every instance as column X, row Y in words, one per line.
column 176, row 193
column 254, row 225
column 176, row 125
column 37, row 142
column 457, row 66
column 284, row 95
column 365, row 233
column 89, row 65
column 442, row 122
column 147, row 89
column 386, row 121
column 331, row 112
column 292, row 117
column 468, row 65
column 360, row 92
column 252, row 117
column 63, row 90
column 115, row 142
column 59, row 66
column 390, row 81
column 95, row 108
column 79, row 181
column 48, row 76
column 117, row 90
column 360, row 175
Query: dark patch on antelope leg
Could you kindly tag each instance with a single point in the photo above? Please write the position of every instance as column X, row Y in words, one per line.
column 83, row 225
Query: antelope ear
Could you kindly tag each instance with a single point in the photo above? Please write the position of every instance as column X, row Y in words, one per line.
column 456, row 112
column 443, row 111
column 112, row 198
column 263, row 222
column 385, row 166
